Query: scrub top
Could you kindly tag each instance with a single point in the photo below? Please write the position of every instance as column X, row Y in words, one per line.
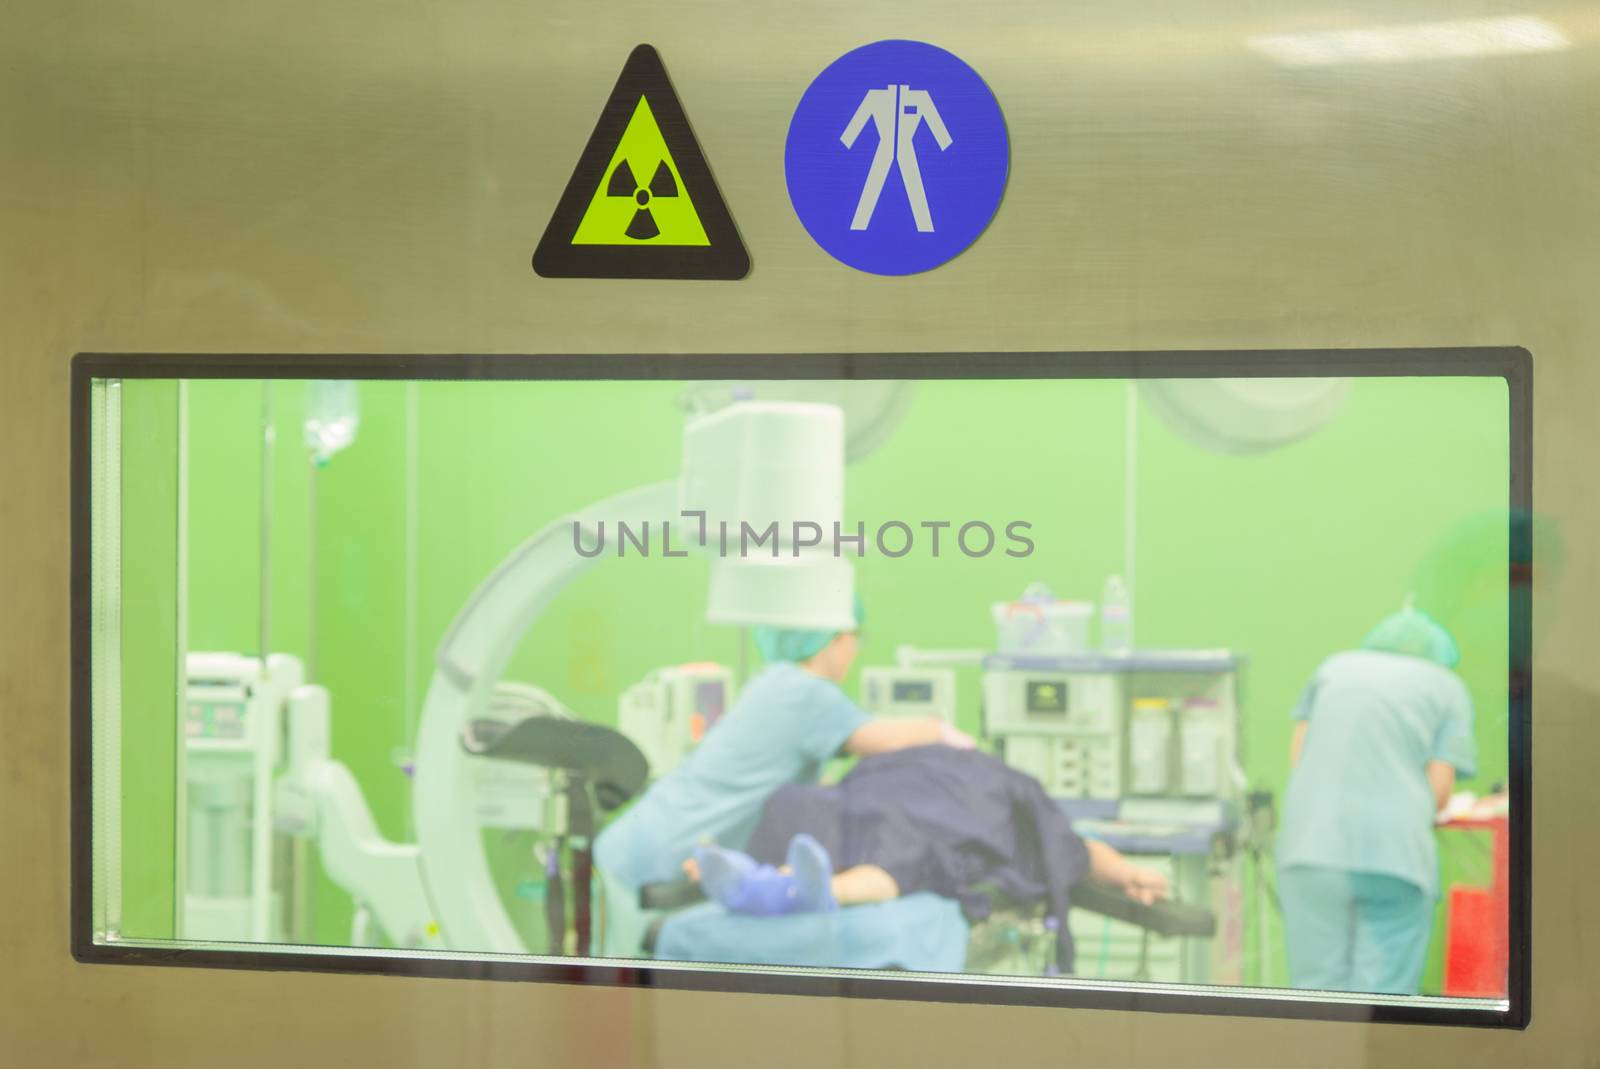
column 1359, row 798
column 783, row 728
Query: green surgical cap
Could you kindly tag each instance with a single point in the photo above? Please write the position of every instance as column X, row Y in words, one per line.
column 1414, row 632
column 796, row 644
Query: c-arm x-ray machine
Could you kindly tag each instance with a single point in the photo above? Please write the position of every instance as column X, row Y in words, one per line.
column 756, row 462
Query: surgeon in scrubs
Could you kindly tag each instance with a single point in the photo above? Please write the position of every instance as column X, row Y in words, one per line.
column 789, row 721
column 1381, row 734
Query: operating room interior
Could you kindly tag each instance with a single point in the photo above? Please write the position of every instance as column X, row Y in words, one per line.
column 345, row 525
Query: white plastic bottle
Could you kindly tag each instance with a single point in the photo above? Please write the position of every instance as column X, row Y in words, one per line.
column 1116, row 617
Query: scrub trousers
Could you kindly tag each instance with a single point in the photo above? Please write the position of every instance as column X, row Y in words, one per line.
column 1354, row 931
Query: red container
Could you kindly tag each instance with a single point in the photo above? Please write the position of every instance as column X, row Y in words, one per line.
column 1476, row 948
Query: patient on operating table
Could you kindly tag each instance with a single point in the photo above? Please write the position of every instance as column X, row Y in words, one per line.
column 958, row 823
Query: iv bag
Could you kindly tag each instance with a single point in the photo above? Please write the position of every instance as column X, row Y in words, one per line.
column 333, row 414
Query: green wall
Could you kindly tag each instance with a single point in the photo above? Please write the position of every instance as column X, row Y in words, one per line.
column 1284, row 556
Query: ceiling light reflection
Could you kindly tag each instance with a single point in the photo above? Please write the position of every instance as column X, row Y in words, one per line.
column 1424, row 40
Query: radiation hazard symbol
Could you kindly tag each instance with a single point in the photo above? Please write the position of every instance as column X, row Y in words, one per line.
column 641, row 202
column 642, row 199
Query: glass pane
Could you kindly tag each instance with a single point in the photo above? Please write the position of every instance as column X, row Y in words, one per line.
column 1181, row 684
column 136, row 665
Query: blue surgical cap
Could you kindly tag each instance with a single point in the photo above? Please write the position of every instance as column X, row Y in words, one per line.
column 1414, row 632
column 796, row 644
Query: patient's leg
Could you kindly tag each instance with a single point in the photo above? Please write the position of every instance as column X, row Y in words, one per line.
column 812, row 871
column 743, row 886
column 740, row 884
column 852, row 887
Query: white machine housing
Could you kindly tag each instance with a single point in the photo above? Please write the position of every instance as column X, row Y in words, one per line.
column 906, row 692
column 233, row 736
column 668, row 712
column 756, row 462
column 512, row 795
column 763, row 465
column 318, row 797
column 1061, row 726
column 1159, row 725
column 1151, row 737
column 764, row 462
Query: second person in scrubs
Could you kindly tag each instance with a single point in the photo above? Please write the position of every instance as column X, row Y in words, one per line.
column 1381, row 735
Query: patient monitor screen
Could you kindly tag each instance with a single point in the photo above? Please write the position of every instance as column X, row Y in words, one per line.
column 919, row 693
column 543, row 670
column 1048, row 698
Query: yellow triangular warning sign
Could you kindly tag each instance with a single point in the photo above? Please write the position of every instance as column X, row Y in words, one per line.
column 642, row 196
column 642, row 203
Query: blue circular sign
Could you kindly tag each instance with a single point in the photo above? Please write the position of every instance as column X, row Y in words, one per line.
column 897, row 157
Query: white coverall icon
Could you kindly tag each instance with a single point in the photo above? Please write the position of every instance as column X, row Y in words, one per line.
column 895, row 143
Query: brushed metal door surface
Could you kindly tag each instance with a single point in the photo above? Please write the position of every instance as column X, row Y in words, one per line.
column 368, row 176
